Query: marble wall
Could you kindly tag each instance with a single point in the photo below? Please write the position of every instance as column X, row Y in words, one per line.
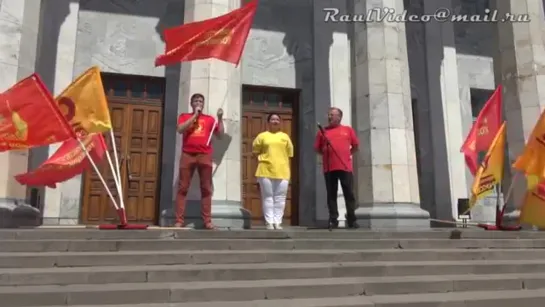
column 18, row 40
column 333, row 85
column 119, row 38
column 55, row 64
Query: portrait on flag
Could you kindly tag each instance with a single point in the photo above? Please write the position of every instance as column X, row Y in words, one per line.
column 29, row 117
column 84, row 104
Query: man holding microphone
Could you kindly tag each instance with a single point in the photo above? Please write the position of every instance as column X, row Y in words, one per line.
column 337, row 143
column 196, row 130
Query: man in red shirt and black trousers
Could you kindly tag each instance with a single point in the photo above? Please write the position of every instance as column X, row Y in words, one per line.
column 337, row 164
column 196, row 129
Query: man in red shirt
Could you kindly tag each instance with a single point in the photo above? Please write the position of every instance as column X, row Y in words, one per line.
column 337, row 164
column 196, row 129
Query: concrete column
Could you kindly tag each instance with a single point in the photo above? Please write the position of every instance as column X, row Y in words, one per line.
column 520, row 67
column 434, row 72
column 220, row 83
column 387, row 173
column 332, row 86
column 18, row 39
column 56, row 65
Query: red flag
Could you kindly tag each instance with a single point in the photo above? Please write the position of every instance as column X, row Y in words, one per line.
column 67, row 162
column 222, row 38
column 483, row 131
column 29, row 117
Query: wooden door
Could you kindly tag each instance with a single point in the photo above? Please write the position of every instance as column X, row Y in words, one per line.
column 257, row 104
column 137, row 127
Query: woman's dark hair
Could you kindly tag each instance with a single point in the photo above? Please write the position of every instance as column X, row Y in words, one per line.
column 271, row 115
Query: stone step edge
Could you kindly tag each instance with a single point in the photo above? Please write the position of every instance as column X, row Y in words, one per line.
column 266, row 265
column 269, row 251
column 324, row 239
column 514, row 297
column 270, row 283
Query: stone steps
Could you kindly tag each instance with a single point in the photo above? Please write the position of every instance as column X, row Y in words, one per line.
column 258, row 271
column 260, row 244
column 271, row 268
column 526, row 298
column 143, row 293
column 171, row 257
column 288, row 233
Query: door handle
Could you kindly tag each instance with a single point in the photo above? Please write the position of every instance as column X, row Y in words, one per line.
column 129, row 173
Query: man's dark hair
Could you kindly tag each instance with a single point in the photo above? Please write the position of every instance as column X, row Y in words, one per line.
column 338, row 110
column 271, row 115
column 197, row 95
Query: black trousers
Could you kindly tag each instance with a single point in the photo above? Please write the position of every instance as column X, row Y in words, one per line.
column 332, row 180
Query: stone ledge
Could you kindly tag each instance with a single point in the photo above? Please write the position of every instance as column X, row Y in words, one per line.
column 15, row 213
column 225, row 214
column 393, row 216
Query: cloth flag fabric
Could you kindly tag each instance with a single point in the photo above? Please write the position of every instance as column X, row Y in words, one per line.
column 29, row 117
column 84, row 103
column 533, row 207
column 222, row 38
column 483, row 131
column 532, row 159
column 490, row 173
column 67, row 162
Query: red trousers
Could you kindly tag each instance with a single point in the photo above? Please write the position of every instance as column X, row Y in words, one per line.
column 188, row 164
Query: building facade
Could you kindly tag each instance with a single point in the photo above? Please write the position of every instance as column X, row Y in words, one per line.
column 410, row 90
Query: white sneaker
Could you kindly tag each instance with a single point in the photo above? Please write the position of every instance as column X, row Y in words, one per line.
column 270, row 226
column 278, row 226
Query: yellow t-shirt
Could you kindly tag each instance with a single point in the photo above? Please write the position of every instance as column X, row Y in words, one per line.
column 273, row 151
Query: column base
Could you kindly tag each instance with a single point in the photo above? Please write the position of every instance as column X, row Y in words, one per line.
column 393, row 216
column 225, row 214
column 15, row 213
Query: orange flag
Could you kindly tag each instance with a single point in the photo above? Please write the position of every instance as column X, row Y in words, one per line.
column 483, row 131
column 67, row 162
column 85, row 105
column 222, row 38
column 532, row 160
column 490, row 172
column 30, row 117
column 533, row 207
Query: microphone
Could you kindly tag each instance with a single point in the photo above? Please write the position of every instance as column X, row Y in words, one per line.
column 320, row 127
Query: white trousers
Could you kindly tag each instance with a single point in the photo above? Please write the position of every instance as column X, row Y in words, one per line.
column 273, row 198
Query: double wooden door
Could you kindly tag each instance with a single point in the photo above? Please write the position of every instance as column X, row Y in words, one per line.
column 137, row 129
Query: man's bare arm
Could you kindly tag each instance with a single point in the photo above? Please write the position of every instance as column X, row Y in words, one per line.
column 183, row 126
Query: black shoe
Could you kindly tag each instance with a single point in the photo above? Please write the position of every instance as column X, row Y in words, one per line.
column 351, row 222
column 333, row 224
column 352, row 225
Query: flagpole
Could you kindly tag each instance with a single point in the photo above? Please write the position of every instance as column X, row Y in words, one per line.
column 95, row 167
column 116, row 171
column 510, row 190
column 221, row 107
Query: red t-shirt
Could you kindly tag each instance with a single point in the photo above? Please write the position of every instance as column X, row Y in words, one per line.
column 337, row 157
column 195, row 137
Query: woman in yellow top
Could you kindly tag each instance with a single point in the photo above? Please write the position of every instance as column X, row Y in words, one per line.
column 273, row 149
